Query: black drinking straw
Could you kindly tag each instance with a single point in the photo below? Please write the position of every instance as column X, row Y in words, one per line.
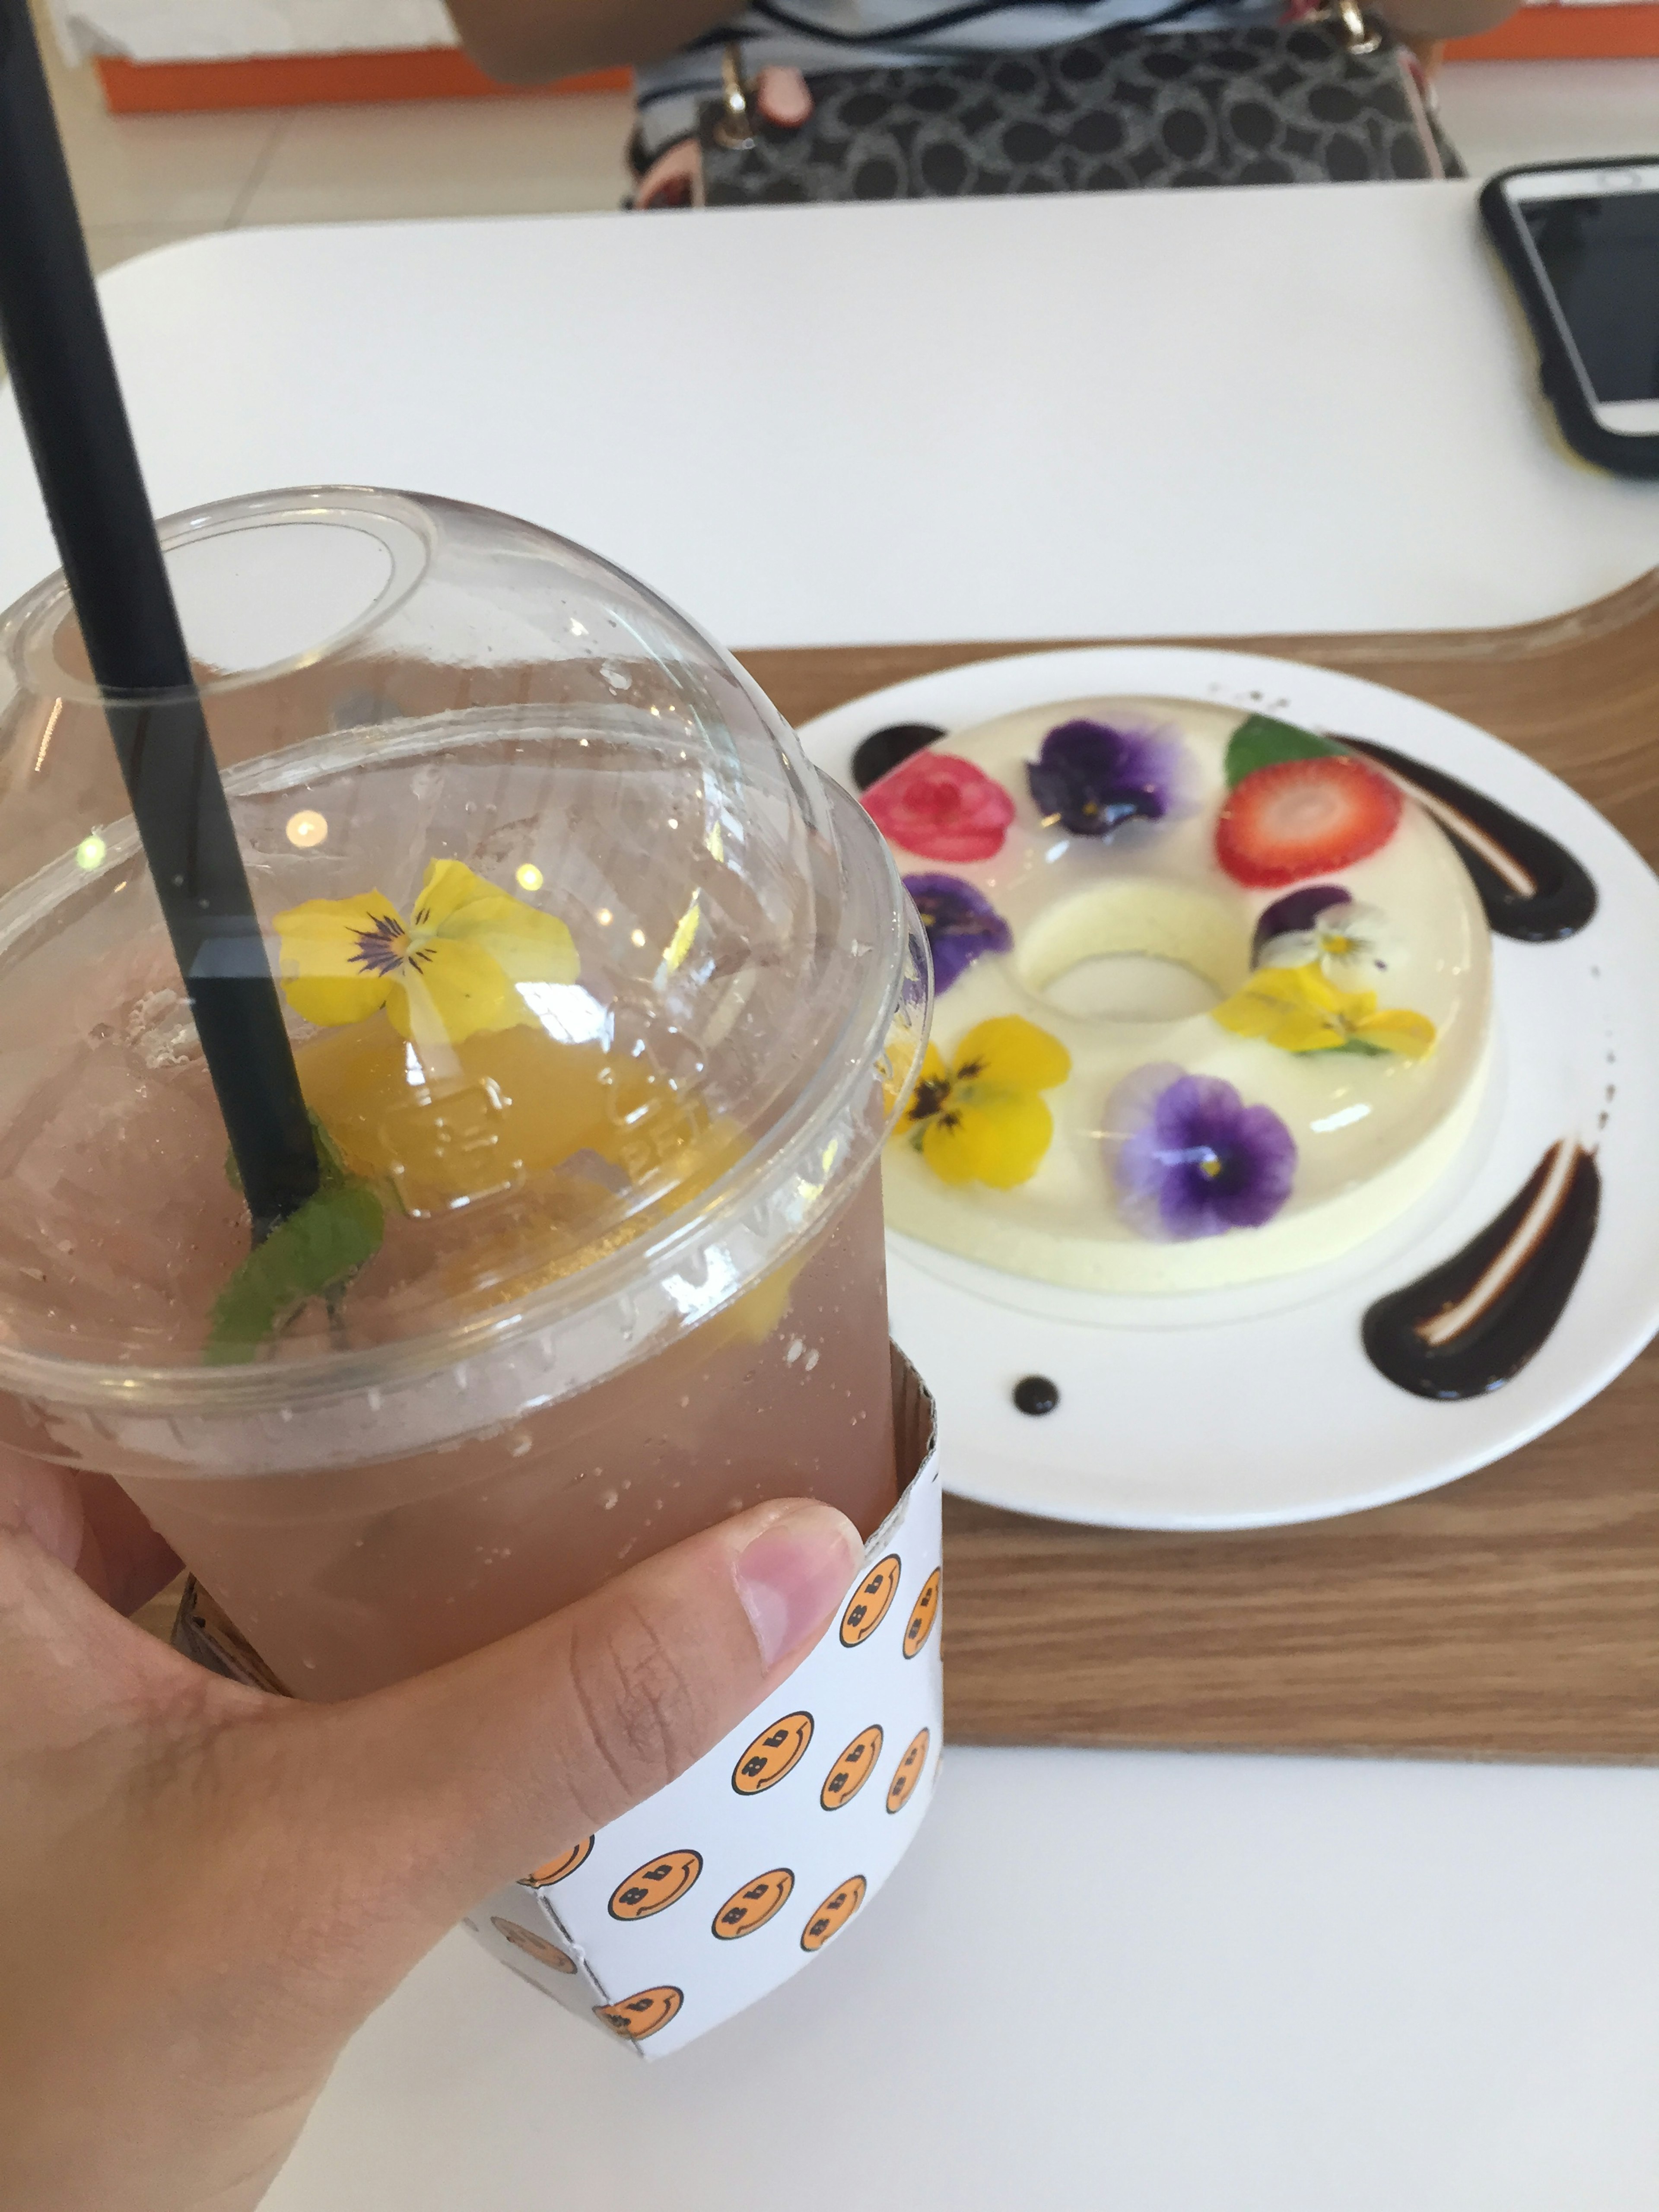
column 52, row 330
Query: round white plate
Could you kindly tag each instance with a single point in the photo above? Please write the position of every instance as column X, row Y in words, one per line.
column 1243, row 1408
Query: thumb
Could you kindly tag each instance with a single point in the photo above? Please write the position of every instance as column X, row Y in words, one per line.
column 456, row 1781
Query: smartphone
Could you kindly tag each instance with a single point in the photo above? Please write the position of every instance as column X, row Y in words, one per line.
column 1581, row 241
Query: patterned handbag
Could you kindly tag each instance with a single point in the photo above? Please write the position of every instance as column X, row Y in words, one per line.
column 1326, row 100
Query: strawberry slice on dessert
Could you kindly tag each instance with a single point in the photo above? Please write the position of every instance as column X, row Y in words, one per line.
column 1304, row 817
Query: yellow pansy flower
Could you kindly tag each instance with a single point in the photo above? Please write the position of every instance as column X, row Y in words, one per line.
column 445, row 974
column 515, row 1106
column 982, row 1120
column 1301, row 1009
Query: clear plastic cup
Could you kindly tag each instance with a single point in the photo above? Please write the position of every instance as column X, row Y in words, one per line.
column 601, row 1003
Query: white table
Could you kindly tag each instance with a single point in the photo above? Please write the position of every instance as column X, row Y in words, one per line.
column 1166, row 1983
column 1296, row 411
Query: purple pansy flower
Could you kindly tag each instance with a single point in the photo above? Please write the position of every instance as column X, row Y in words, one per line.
column 1190, row 1158
column 961, row 923
column 1297, row 911
column 1091, row 779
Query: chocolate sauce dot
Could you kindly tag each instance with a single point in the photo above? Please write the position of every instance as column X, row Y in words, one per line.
column 883, row 749
column 1035, row 1394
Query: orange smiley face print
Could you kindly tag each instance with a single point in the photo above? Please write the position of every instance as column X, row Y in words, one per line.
column 534, row 1946
column 923, row 1614
column 552, row 1870
column 777, row 1752
column 836, row 1909
column 754, row 1905
column 655, row 1885
column 867, row 1606
column 635, row 2018
column 907, row 1772
column 852, row 1770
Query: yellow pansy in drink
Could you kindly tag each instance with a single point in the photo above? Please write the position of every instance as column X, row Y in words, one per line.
column 437, row 1082
column 510, row 1105
column 451, row 970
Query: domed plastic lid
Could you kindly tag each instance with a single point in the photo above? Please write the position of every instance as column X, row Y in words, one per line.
column 587, row 974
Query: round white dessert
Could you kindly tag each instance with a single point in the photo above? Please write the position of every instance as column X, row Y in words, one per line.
column 1122, row 945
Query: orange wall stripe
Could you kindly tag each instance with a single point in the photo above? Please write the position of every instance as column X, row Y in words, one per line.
column 1621, row 33
column 316, row 80
column 1534, row 33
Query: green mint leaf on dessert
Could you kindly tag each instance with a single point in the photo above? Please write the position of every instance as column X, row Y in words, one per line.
column 1259, row 742
column 316, row 1251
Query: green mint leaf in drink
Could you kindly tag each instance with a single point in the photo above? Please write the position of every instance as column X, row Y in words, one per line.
column 334, row 1171
column 316, row 1251
column 335, row 1174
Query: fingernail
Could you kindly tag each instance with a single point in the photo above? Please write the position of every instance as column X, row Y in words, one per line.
column 793, row 1575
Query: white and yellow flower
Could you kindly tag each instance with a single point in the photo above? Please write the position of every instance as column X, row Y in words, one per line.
column 1348, row 943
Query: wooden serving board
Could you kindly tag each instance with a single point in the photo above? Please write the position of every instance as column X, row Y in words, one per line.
column 1514, row 1613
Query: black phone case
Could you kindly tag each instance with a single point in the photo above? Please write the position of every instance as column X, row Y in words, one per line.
column 1607, row 449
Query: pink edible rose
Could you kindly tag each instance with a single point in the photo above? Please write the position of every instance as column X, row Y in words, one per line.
column 941, row 807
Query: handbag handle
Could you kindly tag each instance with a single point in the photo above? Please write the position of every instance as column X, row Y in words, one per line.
column 1361, row 36
column 734, row 126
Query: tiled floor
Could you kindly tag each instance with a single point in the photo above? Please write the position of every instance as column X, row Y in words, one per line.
column 144, row 181
column 1500, row 112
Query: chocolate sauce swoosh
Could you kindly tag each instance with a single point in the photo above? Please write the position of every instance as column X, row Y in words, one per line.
column 1531, row 887
column 883, row 749
column 1472, row 1323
